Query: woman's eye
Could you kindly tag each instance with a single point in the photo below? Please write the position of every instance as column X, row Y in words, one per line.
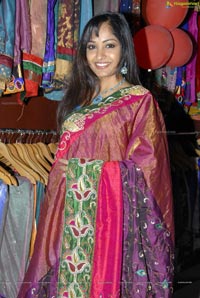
column 110, row 45
column 90, row 46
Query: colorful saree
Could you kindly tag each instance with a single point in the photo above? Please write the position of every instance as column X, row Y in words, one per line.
column 106, row 229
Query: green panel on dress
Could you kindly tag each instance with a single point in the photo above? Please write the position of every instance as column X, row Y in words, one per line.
column 82, row 178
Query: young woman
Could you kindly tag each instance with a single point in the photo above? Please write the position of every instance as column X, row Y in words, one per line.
column 106, row 227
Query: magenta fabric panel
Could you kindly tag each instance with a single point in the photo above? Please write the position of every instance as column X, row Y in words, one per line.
column 108, row 236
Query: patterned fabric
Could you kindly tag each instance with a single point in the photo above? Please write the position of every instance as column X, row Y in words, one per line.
column 32, row 71
column 7, row 35
column 147, row 242
column 67, row 39
column 86, row 228
column 32, row 61
column 63, row 32
column 79, row 223
column 143, row 136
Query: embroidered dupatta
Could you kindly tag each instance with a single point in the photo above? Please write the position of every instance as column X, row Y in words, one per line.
column 107, row 228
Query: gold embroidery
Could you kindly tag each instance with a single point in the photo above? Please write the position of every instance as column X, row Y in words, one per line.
column 68, row 25
column 134, row 90
column 75, row 122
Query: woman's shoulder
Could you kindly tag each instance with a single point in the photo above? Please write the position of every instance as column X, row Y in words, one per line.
column 138, row 94
column 138, row 90
column 134, row 90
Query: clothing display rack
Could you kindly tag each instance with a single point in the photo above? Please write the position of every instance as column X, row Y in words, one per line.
column 28, row 153
column 10, row 135
column 26, row 157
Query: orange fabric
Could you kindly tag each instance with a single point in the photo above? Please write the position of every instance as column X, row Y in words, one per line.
column 34, row 229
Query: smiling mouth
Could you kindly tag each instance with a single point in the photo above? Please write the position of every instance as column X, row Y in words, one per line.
column 101, row 65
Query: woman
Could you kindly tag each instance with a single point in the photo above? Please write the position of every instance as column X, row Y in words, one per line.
column 106, row 228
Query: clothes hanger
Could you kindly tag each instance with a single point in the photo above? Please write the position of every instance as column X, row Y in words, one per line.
column 40, row 156
column 6, row 177
column 18, row 154
column 41, row 170
column 9, row 172
column 53, row 147
column 46, row 151
column 32, row 164
column 20, row 167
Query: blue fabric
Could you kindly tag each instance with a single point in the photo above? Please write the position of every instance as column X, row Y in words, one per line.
column 3, row 199
column 125, row 6
column 7, row 20
column 40, row 198
column 86, row 14
column 54, row 95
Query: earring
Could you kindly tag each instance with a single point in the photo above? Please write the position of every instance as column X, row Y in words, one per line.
column 124, row 69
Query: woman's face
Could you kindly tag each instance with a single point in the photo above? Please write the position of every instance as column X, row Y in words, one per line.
column 104, row 53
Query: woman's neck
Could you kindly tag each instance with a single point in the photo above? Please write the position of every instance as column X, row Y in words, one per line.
column 112, row 87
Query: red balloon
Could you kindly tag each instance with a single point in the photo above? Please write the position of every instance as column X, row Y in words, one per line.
column 167, row 13
column 183, row 48
column 153, row 46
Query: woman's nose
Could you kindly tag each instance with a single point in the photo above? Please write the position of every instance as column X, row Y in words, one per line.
column 100, row 52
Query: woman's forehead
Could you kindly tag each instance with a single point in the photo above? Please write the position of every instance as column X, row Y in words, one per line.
column 104, row 26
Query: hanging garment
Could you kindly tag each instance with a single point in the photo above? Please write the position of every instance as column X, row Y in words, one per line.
column 32, row 62
column 22, row 42
column 198, row 58
column 22, row 31
column 16, row 81
column 7, row 35
column 3, row 205
column 68, row 36
column 15, row 245
column 166, row 77
column 48, row 68
column 105, row 5
column 86, row 13
column 106, row 228
column 40, row 199
column 191, row 65
column 68, row 24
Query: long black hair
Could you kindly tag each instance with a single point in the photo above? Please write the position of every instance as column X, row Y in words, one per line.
column 82, row 82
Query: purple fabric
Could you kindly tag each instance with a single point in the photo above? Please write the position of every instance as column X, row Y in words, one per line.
column 22, row 30
column 191, row 66
column 49, row 56
column 147, row 247
column 46, row 287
